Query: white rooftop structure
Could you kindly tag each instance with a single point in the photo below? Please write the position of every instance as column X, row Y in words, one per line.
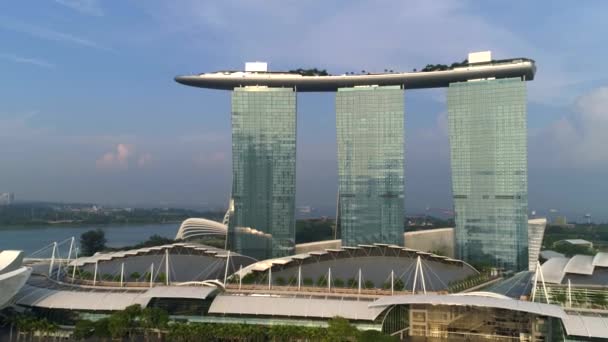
column 256, row 67
column 556, row 268
column 12, row 275
column 293, row 306
column 91, row 300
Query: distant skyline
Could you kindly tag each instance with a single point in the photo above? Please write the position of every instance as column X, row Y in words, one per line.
column 90, row 111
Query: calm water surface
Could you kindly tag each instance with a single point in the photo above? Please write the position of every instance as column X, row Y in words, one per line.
column 33, row 238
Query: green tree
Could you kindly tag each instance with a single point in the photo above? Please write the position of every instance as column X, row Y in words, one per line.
column 307, row 281
column 102, row 328
column 369, row 284
column 339, row 330
column 84, row 329
column 375, row 336
column 338, row 282
column 135, row 276
column 92, row 242
column 154, row 319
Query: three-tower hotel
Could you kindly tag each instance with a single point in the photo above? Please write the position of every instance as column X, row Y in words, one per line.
column 488, row 143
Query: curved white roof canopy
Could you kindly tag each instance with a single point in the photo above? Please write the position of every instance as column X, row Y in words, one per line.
column 477, row 300
column 197, row 227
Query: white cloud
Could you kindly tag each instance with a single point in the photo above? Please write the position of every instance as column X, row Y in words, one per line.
column 118, row 158
column 579, row 139
column 26, row 60
column 88, row 7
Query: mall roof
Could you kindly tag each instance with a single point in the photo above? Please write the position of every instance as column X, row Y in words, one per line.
column 586, row 326
column 347, row 252
column 583, row 268
column 294, row 306
column 574, row 323
column 78, row 299
column 228, row 80
column 211, row 251
column 474, row 299
column 548, row 254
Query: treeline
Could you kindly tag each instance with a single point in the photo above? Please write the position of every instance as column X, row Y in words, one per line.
column 596, row 233
column 25, row 214
column 310, row 72
column 154, row 324
column 442, row 67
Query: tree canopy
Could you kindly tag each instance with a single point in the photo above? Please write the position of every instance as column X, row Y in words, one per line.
column 92, row 242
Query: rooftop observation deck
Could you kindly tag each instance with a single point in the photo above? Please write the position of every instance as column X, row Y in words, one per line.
column 228, row 80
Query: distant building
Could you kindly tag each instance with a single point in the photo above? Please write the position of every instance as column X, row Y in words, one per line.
column 576, row 242
column 7, row 198
column 536, row 232
column 562, row 221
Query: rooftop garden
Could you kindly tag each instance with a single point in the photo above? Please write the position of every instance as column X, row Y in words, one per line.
column 310, row 72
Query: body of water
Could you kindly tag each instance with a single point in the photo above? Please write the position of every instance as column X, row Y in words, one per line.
column 33, row 238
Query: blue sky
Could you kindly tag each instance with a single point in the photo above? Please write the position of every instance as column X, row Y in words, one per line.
column 89, row 110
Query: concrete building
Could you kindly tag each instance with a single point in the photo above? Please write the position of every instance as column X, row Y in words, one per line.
column 576, row 242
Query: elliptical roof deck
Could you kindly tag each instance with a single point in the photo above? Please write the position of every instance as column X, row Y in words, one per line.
column 228, row 80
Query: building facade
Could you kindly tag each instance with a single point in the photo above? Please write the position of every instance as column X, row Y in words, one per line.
column 263, row 170
column 370, row 130
column 488, row 143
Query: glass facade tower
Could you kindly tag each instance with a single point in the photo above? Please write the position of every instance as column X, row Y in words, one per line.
column 488, row 143
column 369, row 123
column 262, row 224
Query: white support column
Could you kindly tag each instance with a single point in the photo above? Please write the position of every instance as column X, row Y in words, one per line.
column 270, row 277
column 415, row 275
column 534, row 283
column 240, row 276
column 392, row 282
column 422, row 277
column 95, row 274
column 122, row 273
column 167, row 268
column 542, row 279
column 70, row 250
column 359, row 282
column 52, row 259
column 569, row 294
column 226, row 270
column 329, row 279
column 299, row 277
column 151, row 274
column 74, row 268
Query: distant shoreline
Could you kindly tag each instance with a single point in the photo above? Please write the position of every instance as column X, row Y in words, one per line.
column 83, row 225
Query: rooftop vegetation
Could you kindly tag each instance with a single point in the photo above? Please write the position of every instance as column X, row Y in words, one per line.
column 442, row 67
column 310, row 72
